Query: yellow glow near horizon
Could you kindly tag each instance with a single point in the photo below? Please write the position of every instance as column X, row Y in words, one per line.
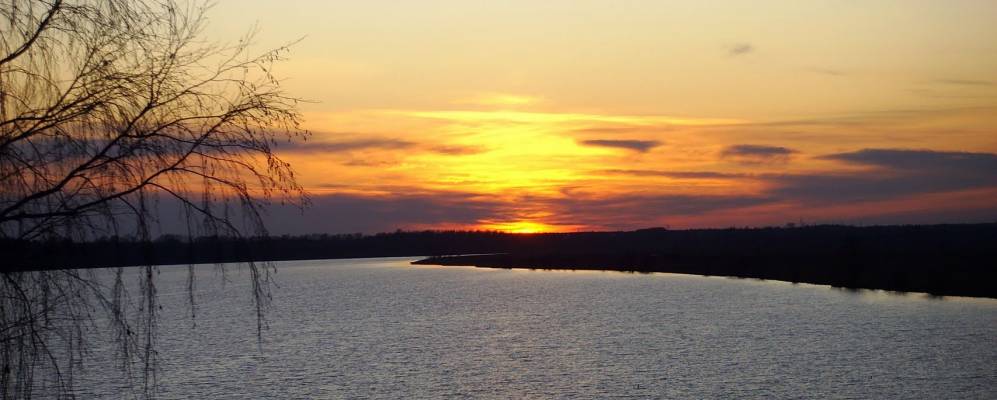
column 529, row 160
column 538, row 113
column 519, row 227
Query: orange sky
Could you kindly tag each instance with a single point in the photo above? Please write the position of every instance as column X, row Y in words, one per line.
column 571, row 115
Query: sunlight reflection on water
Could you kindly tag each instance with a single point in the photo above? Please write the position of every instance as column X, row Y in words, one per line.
column 380, row 328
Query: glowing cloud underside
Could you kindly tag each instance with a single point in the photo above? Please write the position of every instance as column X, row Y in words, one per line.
column 525, row 118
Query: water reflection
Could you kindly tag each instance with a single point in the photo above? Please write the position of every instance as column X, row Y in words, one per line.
column 384, row 329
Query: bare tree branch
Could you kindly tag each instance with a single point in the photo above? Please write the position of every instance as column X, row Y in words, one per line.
column 106, row 108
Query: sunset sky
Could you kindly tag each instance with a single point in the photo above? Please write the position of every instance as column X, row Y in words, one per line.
column 531, row 116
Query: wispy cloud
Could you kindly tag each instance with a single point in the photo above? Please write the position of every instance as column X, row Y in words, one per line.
column 455, row 150
column 897, row 174
column 356, row 162
column 740, row 49
column 383, row 144
column 345, row 145
column 630, row 212
column 640, row 146
column 964, row 82
column 753, row 154
column 922, row 160
column 901, row 172
column 605, row 170
column 674, row 174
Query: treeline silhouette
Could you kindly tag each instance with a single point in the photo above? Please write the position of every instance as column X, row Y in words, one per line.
column 944, row 260
column 172, row 249
column 937, row 259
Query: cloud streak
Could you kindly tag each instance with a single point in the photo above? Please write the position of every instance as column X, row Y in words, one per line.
column 921, row 160
column 346, row 145
column 740, row 49
column 629, row 212
column 898, row 172
column 454, row 150
column 751, row 153
column 964, row 82
column 888, row 175
column 674, row 174
column 640, row 146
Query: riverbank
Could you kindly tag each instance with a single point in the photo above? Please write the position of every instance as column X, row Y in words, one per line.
column 950, row 260
column 902, row 274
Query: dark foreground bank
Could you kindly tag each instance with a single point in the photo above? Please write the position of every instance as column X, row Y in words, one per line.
column 945, row 260
column 938, row 259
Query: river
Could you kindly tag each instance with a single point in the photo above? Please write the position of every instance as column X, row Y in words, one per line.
column 381, row 328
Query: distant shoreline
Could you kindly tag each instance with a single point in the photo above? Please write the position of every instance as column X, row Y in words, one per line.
column 946, row 260
column 618, row 263
column 434, row 262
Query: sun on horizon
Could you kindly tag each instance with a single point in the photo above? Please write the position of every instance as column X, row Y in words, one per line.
column 528, row 118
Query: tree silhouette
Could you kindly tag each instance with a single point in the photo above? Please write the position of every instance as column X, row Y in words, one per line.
column 108, row 108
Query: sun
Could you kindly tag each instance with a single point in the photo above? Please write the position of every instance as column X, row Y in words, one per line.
column 525, row 227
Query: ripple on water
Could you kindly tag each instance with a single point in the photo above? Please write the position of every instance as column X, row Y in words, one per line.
column 381, row 329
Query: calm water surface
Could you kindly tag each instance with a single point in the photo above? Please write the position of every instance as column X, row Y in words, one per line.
column 380, row 328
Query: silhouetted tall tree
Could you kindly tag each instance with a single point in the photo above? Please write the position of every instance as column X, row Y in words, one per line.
column 108, row 107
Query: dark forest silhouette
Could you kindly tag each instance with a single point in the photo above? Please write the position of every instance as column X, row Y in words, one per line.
column 937, row 259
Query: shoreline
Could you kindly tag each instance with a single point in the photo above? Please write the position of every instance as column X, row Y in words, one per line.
column 826, row 273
